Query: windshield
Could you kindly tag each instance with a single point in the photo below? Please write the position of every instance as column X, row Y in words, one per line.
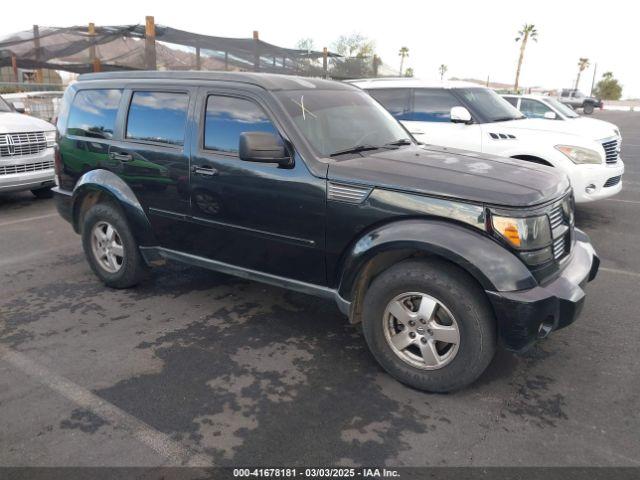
column 561, row 107
column 4, row 106
column 490, row 105
column 333, row 121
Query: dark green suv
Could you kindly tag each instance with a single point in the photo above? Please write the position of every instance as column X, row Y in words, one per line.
column 311, row 185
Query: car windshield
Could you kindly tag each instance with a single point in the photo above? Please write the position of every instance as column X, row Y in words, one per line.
column 491, row 105
column 4, row 106
column 561, row 107
column 338, row 121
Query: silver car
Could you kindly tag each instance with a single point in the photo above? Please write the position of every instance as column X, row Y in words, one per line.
column 26, row 153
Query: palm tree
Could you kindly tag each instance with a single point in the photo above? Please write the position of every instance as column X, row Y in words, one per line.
column 528, row 32
column 404, row 52
column 443, row 70
column 583, row 64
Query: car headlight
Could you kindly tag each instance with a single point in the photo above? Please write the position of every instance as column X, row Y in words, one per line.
column 531, row 236
column 580, row 155
column 50, row 138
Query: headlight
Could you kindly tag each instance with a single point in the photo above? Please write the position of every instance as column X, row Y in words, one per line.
column 579, row 154
column 50, row 137
column 527, row 233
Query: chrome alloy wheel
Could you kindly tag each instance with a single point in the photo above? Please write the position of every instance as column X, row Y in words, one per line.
column 107, row 247
column 421, row 331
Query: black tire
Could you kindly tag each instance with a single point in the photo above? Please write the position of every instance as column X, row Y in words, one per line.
column 42, row 192
column 132, row 269
column 461, row 295
column 587, row 108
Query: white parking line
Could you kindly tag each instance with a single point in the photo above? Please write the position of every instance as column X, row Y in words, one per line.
column 620, row 200
column 158, row 441
column 30, row 219
column 621, row 272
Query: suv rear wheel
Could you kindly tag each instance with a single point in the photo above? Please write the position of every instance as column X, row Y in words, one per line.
column 588, row 108
column 429, row 325
column 110, row 247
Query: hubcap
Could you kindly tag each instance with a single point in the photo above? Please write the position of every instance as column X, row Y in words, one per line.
column 107, row 247
column 421, row 331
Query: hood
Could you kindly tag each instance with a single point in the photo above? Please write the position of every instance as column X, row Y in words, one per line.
column 446, row 172
column 583, row 127
column 11, row 122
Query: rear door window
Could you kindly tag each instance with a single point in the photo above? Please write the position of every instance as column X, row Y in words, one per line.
column 512, row 100
column 158, row 117
column 227, row 117
column 433, row 105
column 93, row 113
column 396, row 100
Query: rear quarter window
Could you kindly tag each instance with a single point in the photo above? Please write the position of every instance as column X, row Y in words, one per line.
column 93, row 113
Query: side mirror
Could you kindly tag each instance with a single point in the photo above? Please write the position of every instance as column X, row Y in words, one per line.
column 550, row 115
column 263, row 147
column 460, row 115
column 19, row 107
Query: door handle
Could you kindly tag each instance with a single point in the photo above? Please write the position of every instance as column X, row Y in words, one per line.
column 204, row 170
column 121, row 157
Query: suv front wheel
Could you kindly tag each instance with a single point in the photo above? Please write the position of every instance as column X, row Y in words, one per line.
column 110, row 247
column 429, row 325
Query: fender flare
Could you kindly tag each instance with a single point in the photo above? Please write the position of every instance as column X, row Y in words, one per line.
column 492, row 265
column 109, row 184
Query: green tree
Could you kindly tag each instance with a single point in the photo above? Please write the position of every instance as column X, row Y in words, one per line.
column 443, row 71
column 408, row 72
column 608, row 88
column 527, row 33
column 403, row 53
column 357, row 53
column 583, row 64
column 305, row 44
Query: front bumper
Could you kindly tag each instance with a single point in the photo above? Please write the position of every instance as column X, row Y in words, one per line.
column 525, row 316
column 583, row 176
column 28, row 172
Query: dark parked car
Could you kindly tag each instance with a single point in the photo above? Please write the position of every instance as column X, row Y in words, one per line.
column 311, row 185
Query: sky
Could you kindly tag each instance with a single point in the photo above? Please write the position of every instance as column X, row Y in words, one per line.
column 475, row 39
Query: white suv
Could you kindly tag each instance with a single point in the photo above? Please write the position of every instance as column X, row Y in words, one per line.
column 470, row 117
column 26, row 153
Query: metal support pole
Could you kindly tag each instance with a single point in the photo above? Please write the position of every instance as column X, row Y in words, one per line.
column 92, row 48
column 375, row 65
column 14, row 66
column 226, row 60
column 150, row 44
column 593, row 82
column 256, row 54
column 325, row 57
column 198, row 61
column 36, row 44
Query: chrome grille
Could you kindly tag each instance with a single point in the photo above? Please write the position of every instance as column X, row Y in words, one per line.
column 613, row 181
column 26, row 168
column 347, row 193
column 20, row 144
column 559, row 247
column 611, row 150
